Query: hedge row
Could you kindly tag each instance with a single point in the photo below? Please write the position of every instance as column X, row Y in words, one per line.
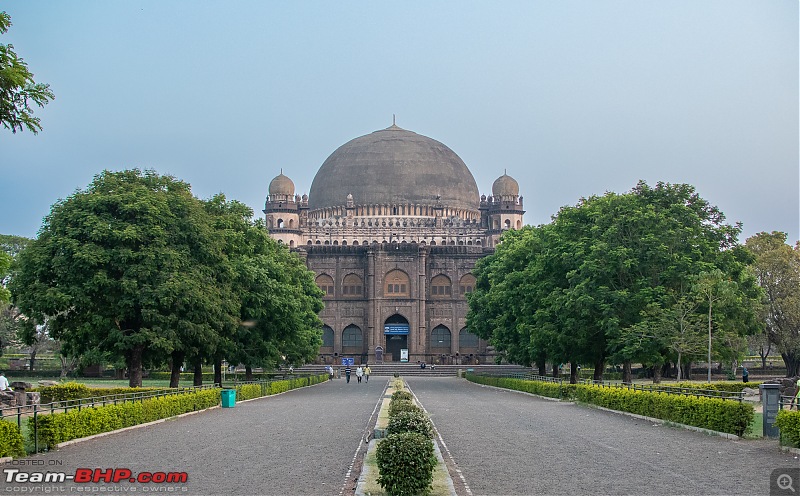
column 75, row 390
column 60, row 427
column 728, row 386
column 209, row 376
column 11, row 442
column 789, row 423
column 406, row 458
column 708, row 413
column 250, row 391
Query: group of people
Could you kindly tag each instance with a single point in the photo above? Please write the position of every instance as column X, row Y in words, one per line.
column 361, row 372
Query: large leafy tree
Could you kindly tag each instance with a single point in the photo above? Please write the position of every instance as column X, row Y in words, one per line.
column 127, row 266
column 582, row 286
column 18, row 90
column 278, row 301
column 777, row 267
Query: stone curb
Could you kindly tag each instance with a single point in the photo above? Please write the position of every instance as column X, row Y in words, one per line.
column 796, row 451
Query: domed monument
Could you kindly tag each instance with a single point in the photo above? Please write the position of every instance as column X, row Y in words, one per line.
column 393, row 226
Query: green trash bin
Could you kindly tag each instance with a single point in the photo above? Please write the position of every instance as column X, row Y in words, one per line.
column 228, row 398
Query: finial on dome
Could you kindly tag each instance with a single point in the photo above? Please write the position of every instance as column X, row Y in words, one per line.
column 393, row 120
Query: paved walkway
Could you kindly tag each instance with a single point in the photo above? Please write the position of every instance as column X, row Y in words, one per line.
column 298, row 443
column 510, row 443
column 303, row 443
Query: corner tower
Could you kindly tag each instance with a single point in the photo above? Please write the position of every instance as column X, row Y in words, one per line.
column 503, row 209
column 283, row 211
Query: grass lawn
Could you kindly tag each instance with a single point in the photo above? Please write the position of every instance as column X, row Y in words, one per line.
column 756, row 429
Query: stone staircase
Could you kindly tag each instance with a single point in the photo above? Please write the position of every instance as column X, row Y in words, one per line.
column 413, row 369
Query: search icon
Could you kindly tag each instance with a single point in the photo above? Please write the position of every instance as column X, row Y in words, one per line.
column 785, row 482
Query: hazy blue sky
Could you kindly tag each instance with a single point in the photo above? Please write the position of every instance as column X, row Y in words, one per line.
column 573, row 98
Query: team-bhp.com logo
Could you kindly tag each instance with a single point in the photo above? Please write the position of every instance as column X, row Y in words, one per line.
column 96, row 476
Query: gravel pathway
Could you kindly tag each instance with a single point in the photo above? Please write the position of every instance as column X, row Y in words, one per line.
column 516, row 444
column 301, row 442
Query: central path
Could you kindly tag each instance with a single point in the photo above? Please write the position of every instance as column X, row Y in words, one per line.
column 508, row 443
column 298, row 443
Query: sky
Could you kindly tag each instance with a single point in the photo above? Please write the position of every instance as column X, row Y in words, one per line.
column 572, row 97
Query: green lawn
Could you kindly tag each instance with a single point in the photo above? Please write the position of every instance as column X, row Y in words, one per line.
column 98, row 382
column 756, row 428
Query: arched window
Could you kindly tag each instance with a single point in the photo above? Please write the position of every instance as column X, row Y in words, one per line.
column 291, row 244
column 496, row 224
column 467, row 284
column 396, row 283
column 291, row 223
column 508, row 224
column 280, row 223
column 466, row 339
column 310, row 243
column 440, row 339
column 325, row 283
column 327, row 337
column 519, row 224
column 351, row 337
column 440, row 286
column 352, row 286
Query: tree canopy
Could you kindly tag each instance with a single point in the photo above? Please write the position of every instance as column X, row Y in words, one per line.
column 607, row 280
column 777, row 267
column 135, row 266
column 18, row 90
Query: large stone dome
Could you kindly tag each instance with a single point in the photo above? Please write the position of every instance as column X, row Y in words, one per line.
column 394, row 166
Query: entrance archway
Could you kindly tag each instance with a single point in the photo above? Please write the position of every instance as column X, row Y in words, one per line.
column 396, row 330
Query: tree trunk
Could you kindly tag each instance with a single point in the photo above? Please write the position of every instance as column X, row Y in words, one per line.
column 542, row 368
column 556, row 371
column 687, row 371
column 680, row 371
column 573, row 373
column 657, row 373
column 248, row 373
column 627, row 376
column 218, row 371
column 177, row 364
column 599, row 367
column 792, row 362
column 198, row 373
column 134, row 361
column 32, row 359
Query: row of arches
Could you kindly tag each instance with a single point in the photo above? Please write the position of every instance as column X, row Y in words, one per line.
column 396, row 283
column 506, row 224
column 366, row 242
column 440, row 338
column 391, row 210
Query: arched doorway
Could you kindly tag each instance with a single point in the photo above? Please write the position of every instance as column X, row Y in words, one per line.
column 396, row 330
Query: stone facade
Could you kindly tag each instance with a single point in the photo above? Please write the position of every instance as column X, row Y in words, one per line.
column 396, row 271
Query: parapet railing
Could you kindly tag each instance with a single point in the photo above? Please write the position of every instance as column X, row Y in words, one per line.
column 36, row 409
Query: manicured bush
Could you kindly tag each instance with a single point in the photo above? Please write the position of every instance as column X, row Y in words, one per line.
column 709, row 413
column 60, row 427
column 728, row 386
column 74, row 390
column 400, row 405
column 11, row 442
column 402, row 395
column 410, row 421
column 406, row 462
column 256, row 390
column 788, row 422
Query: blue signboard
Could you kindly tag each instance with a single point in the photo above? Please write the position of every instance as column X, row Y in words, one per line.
column 347, row 361
column 395, row 329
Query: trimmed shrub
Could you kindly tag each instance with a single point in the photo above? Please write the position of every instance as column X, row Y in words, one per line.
column 400, row 405
column 729, row 386
column 789, row 423
column 75, row 390
column 256, row 390
column 709, row 413
column 60, row 427
column 402, row 395
column 410, row 421
column 11, row 442
column 405, row 463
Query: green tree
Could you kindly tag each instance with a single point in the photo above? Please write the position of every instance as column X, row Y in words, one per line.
column 277, row 297
column 777, row 268
column 123, row 267
column 583, row 286
column 18, row 90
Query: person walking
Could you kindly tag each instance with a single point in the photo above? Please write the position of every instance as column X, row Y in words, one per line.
column 347, row 374
column 329, row 369
column 359, row 374
column 745, row 374
column 3, row 382
column 367, row 372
